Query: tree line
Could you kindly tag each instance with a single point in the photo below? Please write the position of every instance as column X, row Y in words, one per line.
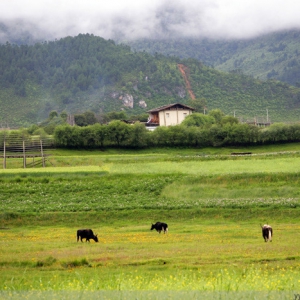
column 198, row 130
column 227, row 132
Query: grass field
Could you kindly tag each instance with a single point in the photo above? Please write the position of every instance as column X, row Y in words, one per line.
column 214, row 206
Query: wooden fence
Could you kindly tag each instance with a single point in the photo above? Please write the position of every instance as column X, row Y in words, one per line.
column 30, row 149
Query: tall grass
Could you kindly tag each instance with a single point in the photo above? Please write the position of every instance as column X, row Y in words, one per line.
column 209, row 167
column 100, row 191
column 216, row 256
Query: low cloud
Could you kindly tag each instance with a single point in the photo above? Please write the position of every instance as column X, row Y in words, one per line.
column 128, row 19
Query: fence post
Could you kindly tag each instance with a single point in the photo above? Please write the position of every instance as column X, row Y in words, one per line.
column 24, row 154
column 42, row 153
column 4, row 154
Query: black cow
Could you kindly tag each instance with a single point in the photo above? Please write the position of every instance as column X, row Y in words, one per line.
column 159, row 226
column 86, row 234
column 267, row 232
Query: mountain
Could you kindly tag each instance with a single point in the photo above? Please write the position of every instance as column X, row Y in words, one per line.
column 271, row 56
column 75, row 74
column 89, row 73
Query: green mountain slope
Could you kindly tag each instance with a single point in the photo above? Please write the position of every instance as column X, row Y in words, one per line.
column 84, row 73
column 243, row 96
column 272, row 56
column 81, row 73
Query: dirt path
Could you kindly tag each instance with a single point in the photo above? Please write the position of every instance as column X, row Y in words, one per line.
column 183, row 70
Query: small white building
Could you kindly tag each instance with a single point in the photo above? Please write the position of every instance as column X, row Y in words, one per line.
column 168, row 115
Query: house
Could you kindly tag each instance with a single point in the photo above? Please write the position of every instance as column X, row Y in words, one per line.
column 168, row 115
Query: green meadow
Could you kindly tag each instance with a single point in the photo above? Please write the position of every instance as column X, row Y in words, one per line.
column 213, row 202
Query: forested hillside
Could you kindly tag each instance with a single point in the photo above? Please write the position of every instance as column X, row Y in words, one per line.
column 272, row 56
column 82, row 73
column 77, row 74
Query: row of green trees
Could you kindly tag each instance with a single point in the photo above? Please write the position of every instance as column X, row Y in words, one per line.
column 122, row 135
column 83, row 119
column 197, row 130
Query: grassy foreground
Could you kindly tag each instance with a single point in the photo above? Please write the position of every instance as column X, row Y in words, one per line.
column 214, row 255
column 213, row 207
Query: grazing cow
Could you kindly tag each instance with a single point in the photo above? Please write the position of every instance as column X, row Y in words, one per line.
column 267, row 232
column 86, row 234
column 160, row 227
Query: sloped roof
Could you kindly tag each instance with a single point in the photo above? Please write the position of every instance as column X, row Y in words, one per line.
column 165, row 107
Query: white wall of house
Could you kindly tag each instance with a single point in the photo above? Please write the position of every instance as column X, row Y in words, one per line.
column 173, row 117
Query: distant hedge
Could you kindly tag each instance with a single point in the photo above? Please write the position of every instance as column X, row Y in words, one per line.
column 122, row 135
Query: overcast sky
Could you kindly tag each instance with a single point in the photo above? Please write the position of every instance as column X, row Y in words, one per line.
column 130, row 19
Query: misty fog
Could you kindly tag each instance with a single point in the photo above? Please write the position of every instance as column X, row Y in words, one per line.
column 132, row 19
